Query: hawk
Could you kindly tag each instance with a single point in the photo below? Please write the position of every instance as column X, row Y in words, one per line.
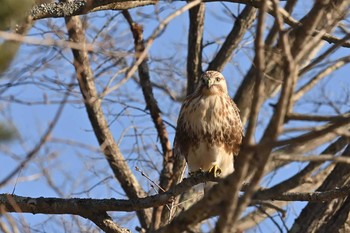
column 209, row 128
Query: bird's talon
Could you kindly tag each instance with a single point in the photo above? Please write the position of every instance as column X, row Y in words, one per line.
column 215, row 170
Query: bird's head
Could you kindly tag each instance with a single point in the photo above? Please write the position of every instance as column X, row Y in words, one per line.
column 212, row 83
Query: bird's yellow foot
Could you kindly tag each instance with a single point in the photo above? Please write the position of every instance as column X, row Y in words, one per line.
column 215, row 171
column 195, row 173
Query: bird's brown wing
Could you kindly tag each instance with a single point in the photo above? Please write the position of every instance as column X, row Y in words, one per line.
column 184, row 137
column 234, row 134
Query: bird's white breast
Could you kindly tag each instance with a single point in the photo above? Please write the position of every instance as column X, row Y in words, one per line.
column 204, row 157
column 205, row 119
column 205, row 116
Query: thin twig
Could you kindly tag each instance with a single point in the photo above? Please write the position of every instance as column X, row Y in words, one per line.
column 307, row 196
column 56, row 10
column 307, row 117
column 149, row 43
column 98, row 120
column 42, row 141
column 311, row 158
column 44, row 42
column 322, row 74
column 149, row 178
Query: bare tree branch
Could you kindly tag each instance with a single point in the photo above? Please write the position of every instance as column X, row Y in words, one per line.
column 274, row 127
column 289, row 54
column 209, row 207
column 98, row 121
column 339, row 220
column 79, row 206
column 44, row 42
column 242, row 23
column 195, row 40
column 305, row 184
column 149, row 43
column 236, row 207
column 314, row 216
column 243, row 97
column 311, row 158
column 87, row 206
column 305, row 117
column 273, row 33
column 309, row 196
column 105, row 222
column 299, row 178
column 314, row 80
column 40, row 144
column 325, row 54
column 152, row 105
column 336, row 128
column 65, row 9
column 56, row 10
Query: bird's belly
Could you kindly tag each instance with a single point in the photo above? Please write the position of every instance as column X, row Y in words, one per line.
column 205, row 156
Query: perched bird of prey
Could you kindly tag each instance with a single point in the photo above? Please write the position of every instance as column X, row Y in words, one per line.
column 209, row 129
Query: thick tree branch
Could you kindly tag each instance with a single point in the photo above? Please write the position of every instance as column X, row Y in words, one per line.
column 304, row 174
column 235, row 208
column 105, row 222
column 98, row 121
column 82, row 206
column 242, row 23
column 304, row 146
column 315, row 215
column 339, row 221
column 273, row 33
column 57, row 10
column 274, row 65
column 307, row 184
column 211, row 206
column 152, row 105
column 86, row 206
column 262, row 157
column 264, row 210
column 231, row 210
column 302, row 36
column 306, row 179
column 79, row 7
column 318, row 196
column 194, row 48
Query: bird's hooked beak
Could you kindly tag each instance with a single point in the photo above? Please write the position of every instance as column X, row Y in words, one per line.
column 209, row 82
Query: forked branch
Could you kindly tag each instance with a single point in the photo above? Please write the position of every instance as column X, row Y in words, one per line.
column 98, row 121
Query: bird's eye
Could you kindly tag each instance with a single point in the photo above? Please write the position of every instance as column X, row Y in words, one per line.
column 217, row 79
